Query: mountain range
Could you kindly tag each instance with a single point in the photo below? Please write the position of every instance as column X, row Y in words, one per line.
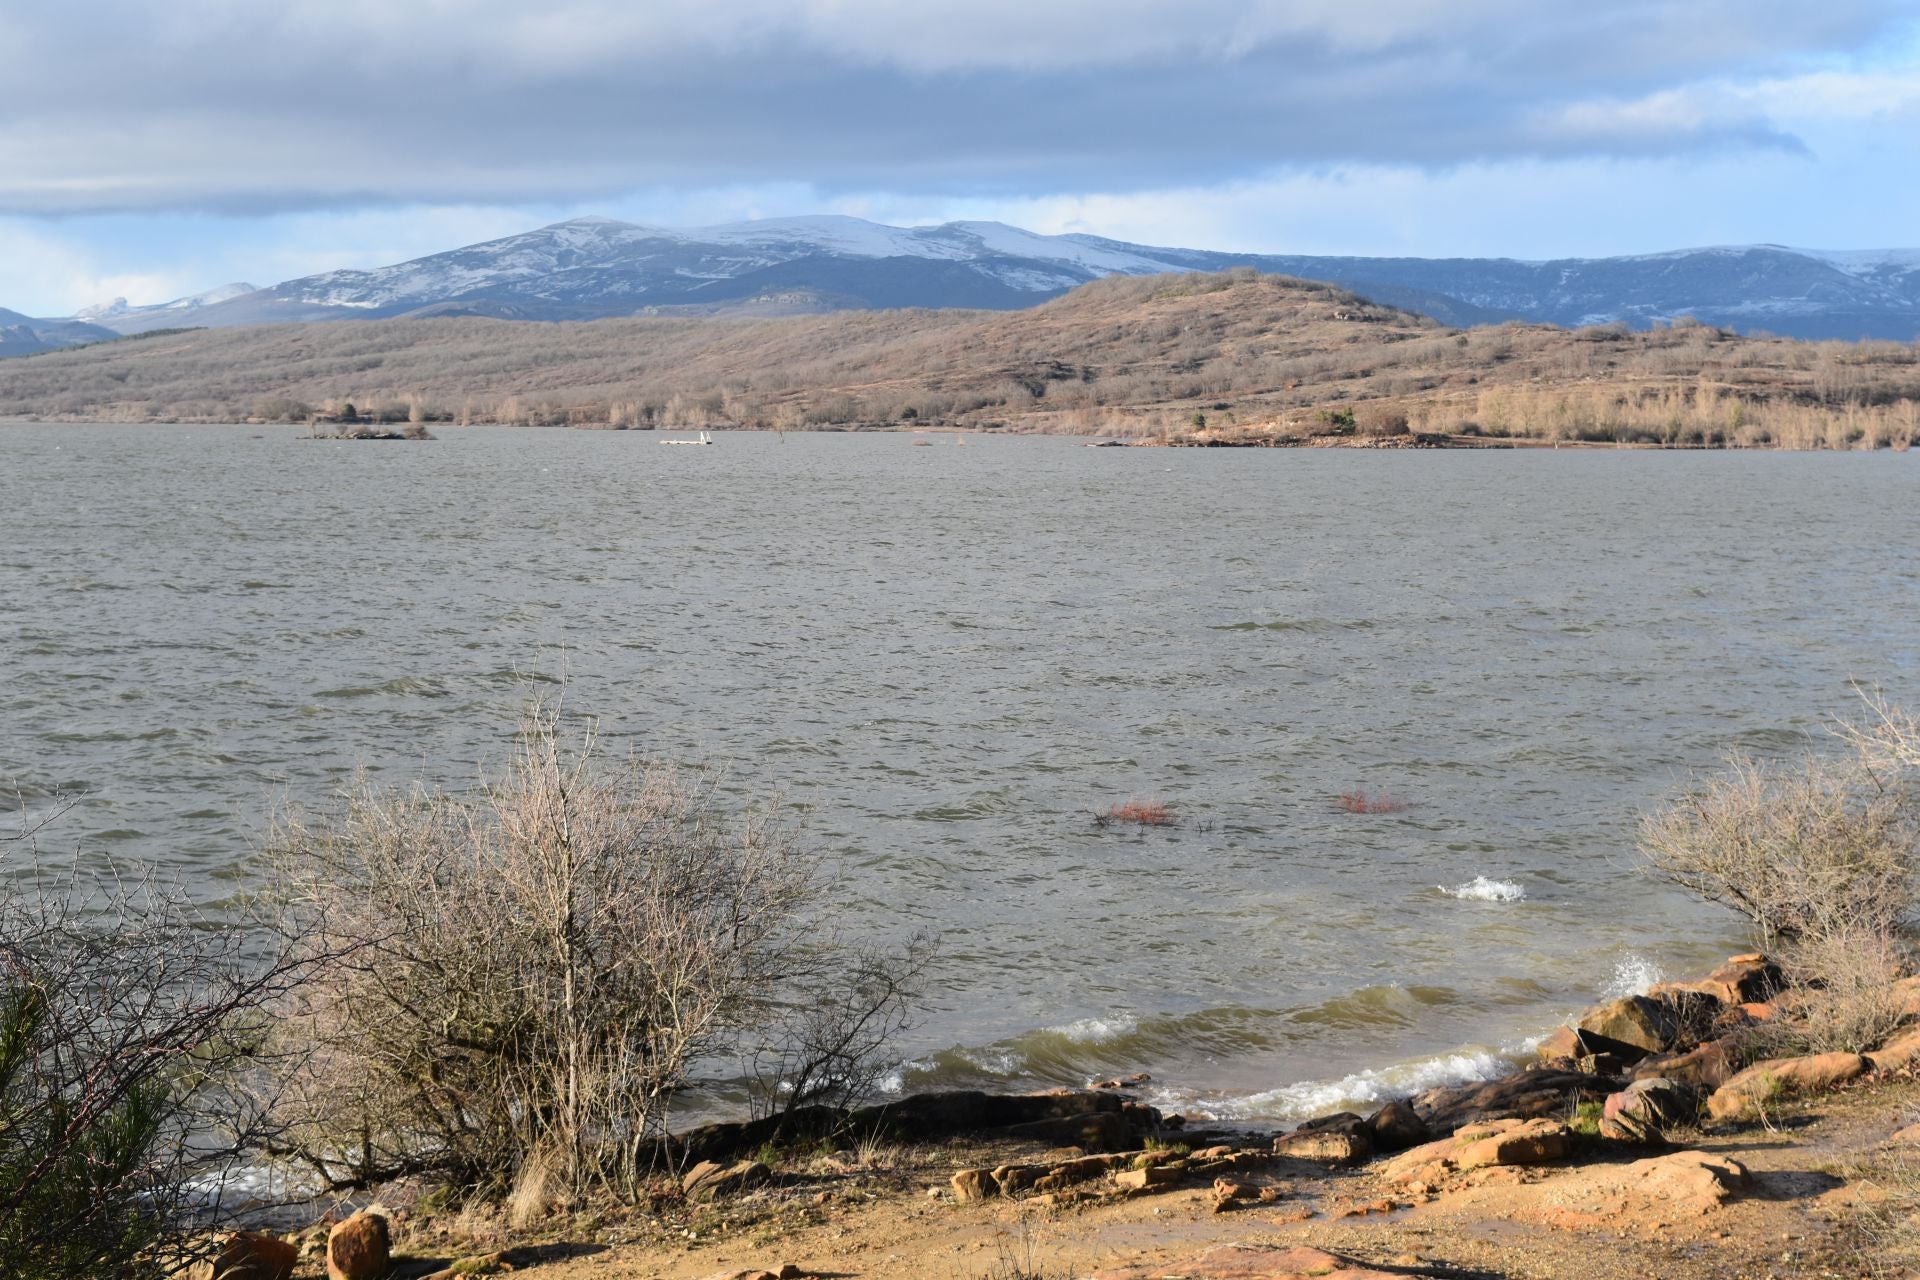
column 592, row 268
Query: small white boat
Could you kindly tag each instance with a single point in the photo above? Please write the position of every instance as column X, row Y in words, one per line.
column 705, row 438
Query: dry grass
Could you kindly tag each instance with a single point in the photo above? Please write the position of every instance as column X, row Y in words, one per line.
column 1256, row 357
column 1145, row 813
column 1378, row 802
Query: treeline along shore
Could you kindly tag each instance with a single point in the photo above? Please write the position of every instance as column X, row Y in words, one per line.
column 1228, row 358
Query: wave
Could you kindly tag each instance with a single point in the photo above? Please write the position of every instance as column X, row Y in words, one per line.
column 1486, row 889
column 1631, row 977
column 1362, row 1090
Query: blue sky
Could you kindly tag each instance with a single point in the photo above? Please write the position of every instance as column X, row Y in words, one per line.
column 151, row 150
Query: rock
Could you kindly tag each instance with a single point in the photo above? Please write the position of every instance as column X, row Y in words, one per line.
column 1747, row 1094
column 1688, row 1183
column 1531, row 1142
column 1153, row 1176
column 1651, row 1026
column 1257, row 1262
column 1326, row 1146
column 1740, row 980
column 1564, row 1042
column 1908, row 1135
column 1907, row 991
column 1708, row 1066
column 709, row 1179
column 1494, row 1143
column 1659, row 1101
column 1338, row 1122
column 1525, row 1095
column 247, row 1255
column 1898, row 1053
column 1633, row 1130
column 1012, row 1179
column 1101, row 1131
column 1227, row 1193
column 1395, row 1127
column 974, row 1184
column 359, row 1248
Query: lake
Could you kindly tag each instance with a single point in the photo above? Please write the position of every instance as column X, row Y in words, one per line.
column 950, row 659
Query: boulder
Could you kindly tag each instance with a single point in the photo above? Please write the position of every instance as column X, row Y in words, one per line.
column 1741, row 980
column 1907, row 991
column 1683, row 1183
column 974, row 1184
column 1326, row 1146
column 1643, row 1023
column 359, row 1247
column 1898, row 1053
column 1747, row 1094
column 1646, row 1109
column 1530, row 1142
column 1257, row 1262
column 1395, row 1127
column 1708, row 1066
column 1563, row 1042
column 246, row 1255
column 1494, row 1143
column 1524, row 1095
column 1906, row 1137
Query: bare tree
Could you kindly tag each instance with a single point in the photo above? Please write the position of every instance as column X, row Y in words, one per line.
column 123, row 1012
column 525, row 977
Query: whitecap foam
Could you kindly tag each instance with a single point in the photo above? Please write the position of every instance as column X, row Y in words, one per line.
column 1364, row 1089
column 1631, row 977
column 1486, row 889
column 1096, row 1030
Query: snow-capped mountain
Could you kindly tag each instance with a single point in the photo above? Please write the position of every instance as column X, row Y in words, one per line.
column 122, row 318
column 595, row 267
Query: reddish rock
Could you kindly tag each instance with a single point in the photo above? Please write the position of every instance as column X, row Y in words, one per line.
column 1153, row 1176
column 1746, row 1094
column 1564, row 1042
column 359, row 1248
column 1907, row 1136
column 1898, row 1053
column 1708, row 1066
column 974, row 1184
column 1524, row 1095
column 1646, row 1024
column 1532, row 1142
column 247, row 1255
column 1395, row 1127
column 1325, row 1146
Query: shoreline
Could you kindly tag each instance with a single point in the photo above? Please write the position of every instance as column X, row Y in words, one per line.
column 1525, row 1175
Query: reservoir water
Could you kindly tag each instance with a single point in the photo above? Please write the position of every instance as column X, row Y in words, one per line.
column 949, row 659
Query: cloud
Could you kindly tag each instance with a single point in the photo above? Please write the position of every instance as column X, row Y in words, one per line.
column 305, row 104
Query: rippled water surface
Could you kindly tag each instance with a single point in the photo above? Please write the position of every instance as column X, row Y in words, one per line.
column 951, row 658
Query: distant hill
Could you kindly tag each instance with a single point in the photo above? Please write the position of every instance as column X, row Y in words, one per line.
column 1240, row 351
column 24, row 336
column 593, row 268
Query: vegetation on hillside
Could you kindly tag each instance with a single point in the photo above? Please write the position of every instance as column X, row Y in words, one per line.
column 1235, row 354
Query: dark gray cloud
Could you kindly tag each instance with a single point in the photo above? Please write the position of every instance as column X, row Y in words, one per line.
column 231, row 104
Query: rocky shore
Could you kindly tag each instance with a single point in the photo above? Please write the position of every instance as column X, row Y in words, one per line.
column 1643, row 1140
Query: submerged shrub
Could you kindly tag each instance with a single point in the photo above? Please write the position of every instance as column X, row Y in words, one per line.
column 521, row 980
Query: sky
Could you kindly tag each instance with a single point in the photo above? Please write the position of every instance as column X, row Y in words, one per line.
column 155, row 150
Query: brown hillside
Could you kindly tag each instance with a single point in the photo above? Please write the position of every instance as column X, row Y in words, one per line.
column 1253, row 355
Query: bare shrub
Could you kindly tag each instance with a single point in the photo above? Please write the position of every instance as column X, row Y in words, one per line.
column 1841, row 995
column 1808, row 851
column 524, row 978
column 123, row 1012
